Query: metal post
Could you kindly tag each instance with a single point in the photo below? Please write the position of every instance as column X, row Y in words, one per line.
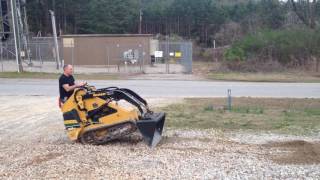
column 53, row 19
column 107, row 56
column 118, row 51
column 72, row 57
column 108, row 59
column 36, row 50
column 143, row 54
column 7, row 53
column 1, row 58
column 39, row 51
column 39, row 55
column 142, row 59
column 188, row 48
column 229, row 100
column 125, row 67
column 16, row 35
column 168, row 56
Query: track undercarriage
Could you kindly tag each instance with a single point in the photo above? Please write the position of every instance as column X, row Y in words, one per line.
column 106, row 134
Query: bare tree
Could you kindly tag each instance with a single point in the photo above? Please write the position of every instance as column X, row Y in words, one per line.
column 307, row 14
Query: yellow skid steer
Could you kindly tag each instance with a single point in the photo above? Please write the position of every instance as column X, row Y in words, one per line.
column 95, row 116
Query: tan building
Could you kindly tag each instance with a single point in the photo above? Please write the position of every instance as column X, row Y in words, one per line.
column 106, row 49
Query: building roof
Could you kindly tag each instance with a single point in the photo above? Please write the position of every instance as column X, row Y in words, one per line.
column 107, row 35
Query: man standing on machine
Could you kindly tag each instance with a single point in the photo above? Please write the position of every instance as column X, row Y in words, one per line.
column 67, row 84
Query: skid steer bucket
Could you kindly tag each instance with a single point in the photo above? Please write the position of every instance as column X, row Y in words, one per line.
column 151, row 128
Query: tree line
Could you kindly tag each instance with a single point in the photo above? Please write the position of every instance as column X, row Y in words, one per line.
column 254, row 32
column 201, row 20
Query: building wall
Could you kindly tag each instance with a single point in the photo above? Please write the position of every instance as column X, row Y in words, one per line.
column 104, row 50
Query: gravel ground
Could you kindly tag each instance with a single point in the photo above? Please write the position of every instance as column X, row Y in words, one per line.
column 34, row 146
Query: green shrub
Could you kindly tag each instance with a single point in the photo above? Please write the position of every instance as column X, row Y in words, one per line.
column 285, row 46
column 234, row 54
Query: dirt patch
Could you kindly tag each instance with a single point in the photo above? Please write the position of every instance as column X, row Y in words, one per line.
column 43, row 158
column 295, row 152
column 176, row 139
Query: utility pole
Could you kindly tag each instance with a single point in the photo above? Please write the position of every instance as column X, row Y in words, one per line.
column 53, row 19
column 16, row 34
column 140, row 21
column 24, row 29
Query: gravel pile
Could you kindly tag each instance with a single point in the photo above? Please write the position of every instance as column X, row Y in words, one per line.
column 34, row 146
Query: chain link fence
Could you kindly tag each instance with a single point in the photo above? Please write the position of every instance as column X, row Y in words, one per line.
column 129, row 58
column 40, row 56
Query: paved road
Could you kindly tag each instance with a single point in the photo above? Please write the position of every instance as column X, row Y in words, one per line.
column 172, row 88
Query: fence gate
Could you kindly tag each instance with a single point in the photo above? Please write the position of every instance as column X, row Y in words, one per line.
column 176, row 57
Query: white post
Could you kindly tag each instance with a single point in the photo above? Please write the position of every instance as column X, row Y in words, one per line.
column 53, row 19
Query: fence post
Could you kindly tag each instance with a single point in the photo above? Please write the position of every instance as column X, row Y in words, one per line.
column 40, row 57
column 72, row 57
column 107, row 56
column 119, row 56
column 190, row 57
column 142, row 58
column 7, row 54
column 36, row 50
column 168, row 56
column 1, row 58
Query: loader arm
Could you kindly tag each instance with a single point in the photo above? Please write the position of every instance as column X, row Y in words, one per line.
column 128, row 91
column 118, row 94
column 121, row 95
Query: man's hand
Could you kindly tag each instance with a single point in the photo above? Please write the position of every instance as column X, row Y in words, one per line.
column 81, row 84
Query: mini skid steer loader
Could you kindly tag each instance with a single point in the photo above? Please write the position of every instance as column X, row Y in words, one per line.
column 94, row 116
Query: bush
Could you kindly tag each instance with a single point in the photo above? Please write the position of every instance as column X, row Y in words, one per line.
column 235, row 54
column 295, row 47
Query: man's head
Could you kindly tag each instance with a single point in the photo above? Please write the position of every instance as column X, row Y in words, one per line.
column 67, row 69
